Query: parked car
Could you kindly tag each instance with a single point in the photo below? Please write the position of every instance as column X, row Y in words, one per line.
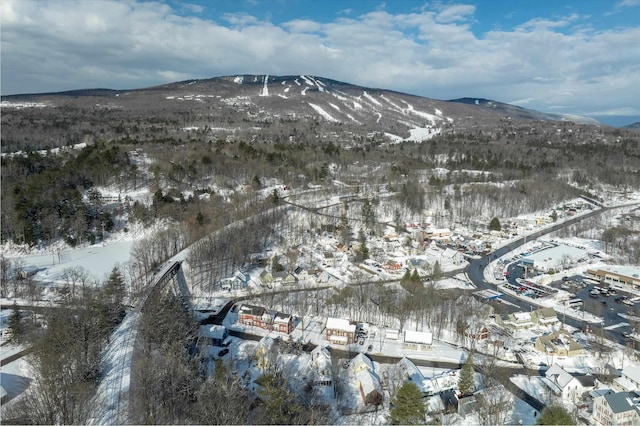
column 223, row 352
column 369, row 348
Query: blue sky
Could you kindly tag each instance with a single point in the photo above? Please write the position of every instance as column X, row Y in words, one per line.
column 580, row 57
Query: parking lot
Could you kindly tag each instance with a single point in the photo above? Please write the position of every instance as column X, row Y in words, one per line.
column 605, row 302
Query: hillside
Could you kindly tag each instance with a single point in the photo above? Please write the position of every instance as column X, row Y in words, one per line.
column 225, row 106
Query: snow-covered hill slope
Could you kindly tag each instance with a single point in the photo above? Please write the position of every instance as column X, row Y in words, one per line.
column 254, row 100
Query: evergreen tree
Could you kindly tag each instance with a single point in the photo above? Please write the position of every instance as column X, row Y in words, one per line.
column 15, row 326
column 279, row 402
column 406, row 278
column 466, row 384
column 368, row 215
column 436, row 272
column 494, row 225
column 363, row 245
column 555, row 415
column 408, row 408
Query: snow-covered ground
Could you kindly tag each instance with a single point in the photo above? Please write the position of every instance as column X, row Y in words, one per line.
column 101, row 258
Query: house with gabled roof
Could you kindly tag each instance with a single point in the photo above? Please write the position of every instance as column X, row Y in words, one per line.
column 453, row 256
column 322, row 376
column 266, row 353
column 629, row 379
column 361, row 362
column 370, row 387
column 266, row 279
column 409, row 372
column 544, row 316
column 615, row 409
column 283, row 323
column 340, row 331
column 516, row 321
column 559, row 343
column 567, row 386
column 214, row 334
column 257, row 316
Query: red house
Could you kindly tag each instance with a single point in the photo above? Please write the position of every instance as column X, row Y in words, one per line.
column 283, row 323
column 257, row 316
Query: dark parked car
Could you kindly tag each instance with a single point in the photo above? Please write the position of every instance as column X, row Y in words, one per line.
column 223, row 352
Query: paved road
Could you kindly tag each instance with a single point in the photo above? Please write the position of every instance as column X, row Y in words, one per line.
column 475, row 272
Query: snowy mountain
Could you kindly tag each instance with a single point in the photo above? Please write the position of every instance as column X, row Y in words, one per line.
column 225, row 105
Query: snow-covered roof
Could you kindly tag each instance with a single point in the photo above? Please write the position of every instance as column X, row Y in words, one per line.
column 369, row 381
column 558, row 377
column 449, row 253
column 423, row 337
column 252, row 310
column 341, row 324
column 410, row 371
column 632, row 372
column 522, row 316
column 361, row 361
column 281, row 318
column 213, row 331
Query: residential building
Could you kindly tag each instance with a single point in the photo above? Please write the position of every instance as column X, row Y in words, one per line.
column 615, row 409
column 214, row 334
column 544, row 316
column 409, row 372
column 266, row 279
column 514, row 322
column 418, row 340
column 476, row 331
column 453, row 256
column 559, row 343
column 321, row 370
column 340, row 331
column 565, row 385
column 361, row 362
column 629, row 379
column 283, row 323
column 266, row 353
column 370, row 387
column 257, row 316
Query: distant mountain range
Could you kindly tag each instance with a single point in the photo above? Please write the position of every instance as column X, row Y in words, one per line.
column 252, row 100
column 635, row 127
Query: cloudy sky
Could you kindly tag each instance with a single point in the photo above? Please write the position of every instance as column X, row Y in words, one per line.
column 580, row 56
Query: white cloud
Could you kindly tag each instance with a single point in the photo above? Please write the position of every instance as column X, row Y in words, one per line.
column 125, row 44
column 457, row 12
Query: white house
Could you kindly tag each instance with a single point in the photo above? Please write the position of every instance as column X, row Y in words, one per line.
column 565, row 385
column 418, row 340
column 409, row 372
column 323, row 386
column 629, row 380
column 452, row 256
column 614, row 409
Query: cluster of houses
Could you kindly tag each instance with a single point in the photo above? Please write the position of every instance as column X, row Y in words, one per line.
column 618, row 404
column 559, row 342
column 258, row 316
